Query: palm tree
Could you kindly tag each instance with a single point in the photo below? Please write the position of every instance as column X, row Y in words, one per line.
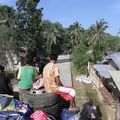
column 52, row 38
column 76, row 33
column 53, row 33
column 6, row 15
column 98, row 30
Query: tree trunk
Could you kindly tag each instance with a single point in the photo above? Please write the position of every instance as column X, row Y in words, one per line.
column 9, row 60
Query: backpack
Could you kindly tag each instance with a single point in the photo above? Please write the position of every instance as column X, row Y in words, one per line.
column 41, row 115
column 18, row 106
column 4, row 101
column 11, row 115
column 70, row 115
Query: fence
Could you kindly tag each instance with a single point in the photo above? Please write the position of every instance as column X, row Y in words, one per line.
column 94, row 78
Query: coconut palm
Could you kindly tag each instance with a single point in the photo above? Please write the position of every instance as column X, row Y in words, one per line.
column 51, row 37
column 98, row 30
column 6, row 15
column 76, row 33
column 52, row 34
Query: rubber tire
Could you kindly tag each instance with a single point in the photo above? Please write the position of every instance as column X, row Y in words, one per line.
column 50, row 103
column 42, row 100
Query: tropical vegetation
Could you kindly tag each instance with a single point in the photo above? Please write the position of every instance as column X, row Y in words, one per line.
column 23, row 27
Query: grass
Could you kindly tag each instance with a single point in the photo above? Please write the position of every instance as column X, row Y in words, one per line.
column 85, row 92
column 92, row 94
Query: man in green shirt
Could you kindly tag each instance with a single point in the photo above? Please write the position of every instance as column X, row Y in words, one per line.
column 26, row 76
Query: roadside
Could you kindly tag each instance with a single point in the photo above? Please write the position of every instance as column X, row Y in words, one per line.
column 86, row 92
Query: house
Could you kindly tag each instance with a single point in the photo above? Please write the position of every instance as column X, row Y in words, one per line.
column 106, row 79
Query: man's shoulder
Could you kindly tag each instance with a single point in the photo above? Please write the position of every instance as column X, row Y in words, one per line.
column 51, row 66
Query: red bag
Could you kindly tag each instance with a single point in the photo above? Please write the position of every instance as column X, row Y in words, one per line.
column 41, row 115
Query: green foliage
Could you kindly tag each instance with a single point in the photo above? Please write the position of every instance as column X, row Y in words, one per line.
column 6, row 37
column 6, row 32
column 79, row 56
column 98, row 30
column 24, row 27
column 76, row 33
column 87, row 37
column 2, row 57
column 28, row 25
column 53, row 34
column 6, row 15
column 99, row 49
column 113, row 43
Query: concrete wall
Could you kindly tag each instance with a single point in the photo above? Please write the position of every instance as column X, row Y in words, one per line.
column 65, row 69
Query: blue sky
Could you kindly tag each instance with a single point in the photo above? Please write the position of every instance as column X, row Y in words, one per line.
column 86, row 12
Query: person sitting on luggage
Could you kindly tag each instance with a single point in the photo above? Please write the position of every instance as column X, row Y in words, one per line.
column 5, row 85
column 91, row 110
column 26, row 76
column 52, row 83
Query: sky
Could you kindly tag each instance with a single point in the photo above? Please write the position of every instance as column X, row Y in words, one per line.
column 86, row 12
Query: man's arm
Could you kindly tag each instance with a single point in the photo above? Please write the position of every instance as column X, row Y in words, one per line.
column 19, row 74
column 57, row 80
column 57, row 77
column 36, row 75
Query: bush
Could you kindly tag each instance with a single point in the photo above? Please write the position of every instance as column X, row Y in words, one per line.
column 79, row 57
column 99, row 50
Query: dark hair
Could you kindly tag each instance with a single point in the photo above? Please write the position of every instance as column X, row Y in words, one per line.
column 28, row 60
column 2, row 67
column 90, row 102
column 53, row 56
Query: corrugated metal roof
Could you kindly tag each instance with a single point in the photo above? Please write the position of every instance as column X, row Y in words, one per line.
column 116, row 78
column 116, row 58
column 103, row 70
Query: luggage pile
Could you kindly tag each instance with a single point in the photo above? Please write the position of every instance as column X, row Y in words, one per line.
column 13, row 109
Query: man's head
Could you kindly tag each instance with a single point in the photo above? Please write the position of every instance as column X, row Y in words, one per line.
column 90, row 102
column 28, row 60
column 37, row 64
column 53, row 57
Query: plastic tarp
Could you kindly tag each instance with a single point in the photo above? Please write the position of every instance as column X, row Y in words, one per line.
column 116, row 78
column 103, row 70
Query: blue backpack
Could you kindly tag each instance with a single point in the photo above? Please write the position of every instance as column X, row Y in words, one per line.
column 70, row 115
column 11, row 115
